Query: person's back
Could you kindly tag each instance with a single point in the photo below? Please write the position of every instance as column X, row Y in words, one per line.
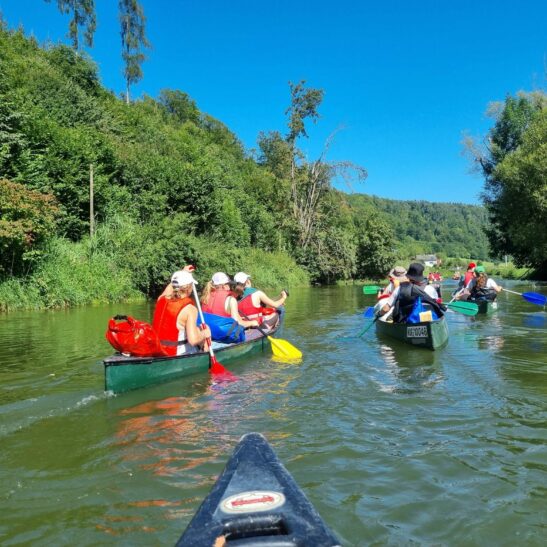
column 175, row 317
column 409, row 291
column 483, row 288
column 254, row 303
column 218, row 300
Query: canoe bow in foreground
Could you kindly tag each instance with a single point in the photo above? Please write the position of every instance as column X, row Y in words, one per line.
column 255, row 501
column 430, row 334
column 123, row 373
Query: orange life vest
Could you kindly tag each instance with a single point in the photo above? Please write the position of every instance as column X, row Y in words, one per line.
column 165, row 322
column 217, row 302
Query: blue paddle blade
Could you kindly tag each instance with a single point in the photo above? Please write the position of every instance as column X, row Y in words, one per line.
column 369, row 312
column 535, row 298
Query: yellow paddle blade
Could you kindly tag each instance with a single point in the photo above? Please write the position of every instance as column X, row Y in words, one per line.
column 282, row 348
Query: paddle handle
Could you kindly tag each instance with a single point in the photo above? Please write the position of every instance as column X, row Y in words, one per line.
column 456, row 295
column 513, row 292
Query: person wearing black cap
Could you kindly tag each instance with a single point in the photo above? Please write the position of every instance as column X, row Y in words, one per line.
column 409, row 291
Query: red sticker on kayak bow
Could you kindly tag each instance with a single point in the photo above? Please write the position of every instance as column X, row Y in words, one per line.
column 252, row 502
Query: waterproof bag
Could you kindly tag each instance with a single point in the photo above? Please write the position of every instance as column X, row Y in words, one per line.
column 223, row 329
column 133, row 337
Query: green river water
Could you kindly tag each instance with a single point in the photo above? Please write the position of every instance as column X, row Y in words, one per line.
column 393, row 445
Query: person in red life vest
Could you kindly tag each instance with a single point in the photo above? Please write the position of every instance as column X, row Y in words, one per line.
column 218, row 299
column 254, row 303
column 462, row 292
column 175, row 317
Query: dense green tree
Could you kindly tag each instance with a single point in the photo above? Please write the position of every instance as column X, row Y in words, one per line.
column 514, row 164
column 83, row 16
column 27, row 220
column 133, row 35
column 179, row 106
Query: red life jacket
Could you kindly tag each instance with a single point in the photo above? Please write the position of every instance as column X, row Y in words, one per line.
column 467, row 278
column 217, row 302
column 165, row 321
column 248, row 309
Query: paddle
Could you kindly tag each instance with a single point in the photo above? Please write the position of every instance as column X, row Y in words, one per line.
column 532, row 297
column 280, row 348
column 371, row 289
column 369, row 312
column 467, row 308
column 215, row 367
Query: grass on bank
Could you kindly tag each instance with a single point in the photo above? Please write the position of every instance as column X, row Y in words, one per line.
column 124, row 262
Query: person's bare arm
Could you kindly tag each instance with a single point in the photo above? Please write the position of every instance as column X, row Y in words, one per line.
column 188, row 319
column 234, row 313
column 262, row 298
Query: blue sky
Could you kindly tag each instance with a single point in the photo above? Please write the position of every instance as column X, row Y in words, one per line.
column 404, row 79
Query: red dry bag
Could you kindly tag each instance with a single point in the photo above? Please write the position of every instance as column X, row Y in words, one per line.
column 133, row 337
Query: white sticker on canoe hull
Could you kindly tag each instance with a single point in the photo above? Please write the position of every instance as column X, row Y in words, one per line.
column 252, row 502
column 416, row 332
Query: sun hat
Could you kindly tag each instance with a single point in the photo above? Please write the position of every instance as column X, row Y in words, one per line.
column 398, row 272
column 471, row 265
column 220, row 278
column 480, row 269
column 415, row 272
column 241, row 277
column 181, row 279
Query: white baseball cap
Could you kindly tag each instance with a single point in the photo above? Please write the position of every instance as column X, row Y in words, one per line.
column 220, row 278
column 241, row 277
column 182, row 278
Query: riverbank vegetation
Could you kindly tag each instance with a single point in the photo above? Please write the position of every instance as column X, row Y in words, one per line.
column 513, row 161
column 172, row 185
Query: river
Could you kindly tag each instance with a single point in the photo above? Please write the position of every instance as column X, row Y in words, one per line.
column 393, row 445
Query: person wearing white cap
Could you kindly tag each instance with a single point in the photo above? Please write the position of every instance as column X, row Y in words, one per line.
column 218, row 299
column 252, row 301
column 175, row 317
column 396, row 276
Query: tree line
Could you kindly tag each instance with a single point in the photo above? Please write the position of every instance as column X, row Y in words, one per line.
column 173, row 184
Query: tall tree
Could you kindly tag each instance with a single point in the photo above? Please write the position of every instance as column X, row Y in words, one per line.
column 83, row 15
column 310, row 181
column 132, row 22
column 514, row 164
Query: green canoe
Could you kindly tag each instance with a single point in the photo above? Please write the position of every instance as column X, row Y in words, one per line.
column 486, row 307
column 122, row 373
column 430, row 334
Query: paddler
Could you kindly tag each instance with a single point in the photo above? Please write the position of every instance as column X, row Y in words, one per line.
column 175, row 317
column 255, row 304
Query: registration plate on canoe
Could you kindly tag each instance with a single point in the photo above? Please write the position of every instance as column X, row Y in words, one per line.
column 416, row 332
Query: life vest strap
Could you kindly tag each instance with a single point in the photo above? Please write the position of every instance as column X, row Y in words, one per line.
column 173, row 344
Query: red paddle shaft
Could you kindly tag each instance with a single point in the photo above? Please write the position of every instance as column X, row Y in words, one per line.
column 214, row 366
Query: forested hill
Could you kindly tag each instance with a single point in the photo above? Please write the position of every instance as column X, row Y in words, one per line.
column 173, row 185
column 423, row 227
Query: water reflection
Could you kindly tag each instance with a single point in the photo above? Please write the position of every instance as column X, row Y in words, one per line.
column 409, row 371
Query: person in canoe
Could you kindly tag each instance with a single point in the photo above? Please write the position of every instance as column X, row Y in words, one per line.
column 255, row 304
column 462, row 292
column 175, row 317
column 483, row 288
column 408, row 293
column 217, row 299
column 386, row 298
